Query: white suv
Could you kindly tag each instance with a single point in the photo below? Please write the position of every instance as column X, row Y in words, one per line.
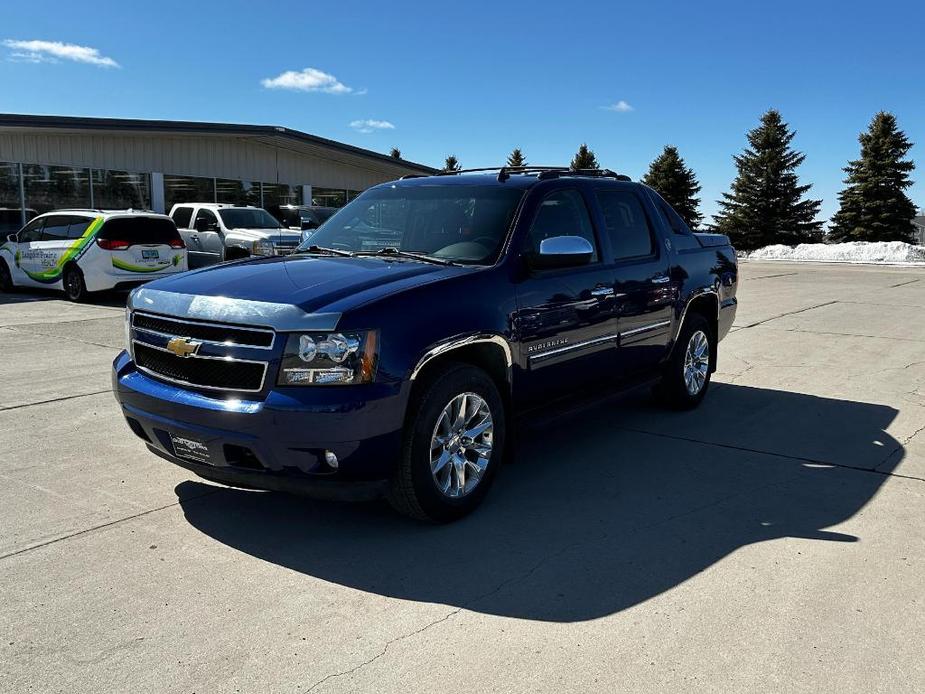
column 216, row 232
column 83, row 251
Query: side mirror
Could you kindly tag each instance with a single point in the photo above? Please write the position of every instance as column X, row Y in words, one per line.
column 562, row 251
column 12, row 238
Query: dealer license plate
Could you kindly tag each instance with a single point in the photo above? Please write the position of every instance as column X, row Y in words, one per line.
column 190, row 449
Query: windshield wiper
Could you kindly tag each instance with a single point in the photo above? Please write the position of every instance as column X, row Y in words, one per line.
column 329, row 251
column 394, row 252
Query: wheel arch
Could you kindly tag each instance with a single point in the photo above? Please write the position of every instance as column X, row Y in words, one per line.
column 703, row 303
column 491, row 353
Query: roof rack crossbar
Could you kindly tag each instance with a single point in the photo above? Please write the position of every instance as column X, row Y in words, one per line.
column 504, row 172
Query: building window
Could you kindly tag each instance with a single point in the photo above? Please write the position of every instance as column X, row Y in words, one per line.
column 10, row 205
column 329, row 197
column 351, row 194
column 120, row 190
column 276, row 194
column 187, row 189
column 237, row 192
column 55, row 187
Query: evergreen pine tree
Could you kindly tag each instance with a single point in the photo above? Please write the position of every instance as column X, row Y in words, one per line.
column 452, row 164
column 765, row 204
column 395, row 153
column 676, row 182
column 874, row 205
column 584, row 159
column 516, row 158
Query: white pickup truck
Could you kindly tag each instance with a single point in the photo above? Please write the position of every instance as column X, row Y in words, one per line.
column 215, row 232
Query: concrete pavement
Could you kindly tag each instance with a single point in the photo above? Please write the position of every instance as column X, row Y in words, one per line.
column 773, row 540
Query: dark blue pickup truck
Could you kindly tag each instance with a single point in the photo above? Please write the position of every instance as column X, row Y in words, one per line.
column 393, row 351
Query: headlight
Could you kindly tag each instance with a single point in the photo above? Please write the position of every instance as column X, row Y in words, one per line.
column 263, row 248
column 316, row 359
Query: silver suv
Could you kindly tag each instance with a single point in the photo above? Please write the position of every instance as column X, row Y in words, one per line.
column 216, row 232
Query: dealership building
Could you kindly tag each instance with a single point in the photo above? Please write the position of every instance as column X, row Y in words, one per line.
column 54, row 162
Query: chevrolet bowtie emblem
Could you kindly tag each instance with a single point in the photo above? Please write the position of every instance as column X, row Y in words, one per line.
column 183, row 346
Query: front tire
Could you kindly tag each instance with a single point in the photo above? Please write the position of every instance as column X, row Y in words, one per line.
column 75, row 289
column 686, row 376
column 6, row 279
column 453, row 446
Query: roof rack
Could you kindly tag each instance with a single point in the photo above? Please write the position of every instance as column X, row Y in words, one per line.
column 544, row 172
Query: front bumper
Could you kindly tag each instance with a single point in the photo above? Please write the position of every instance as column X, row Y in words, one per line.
column 278, row 442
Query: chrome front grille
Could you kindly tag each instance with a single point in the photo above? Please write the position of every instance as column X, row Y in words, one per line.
column 218, row 333
column 219, row 358
column 285, row 247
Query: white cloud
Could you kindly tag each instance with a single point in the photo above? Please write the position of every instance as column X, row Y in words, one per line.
column 620, row 107
column 51, row 51
column 308, row 80
column 369, row 125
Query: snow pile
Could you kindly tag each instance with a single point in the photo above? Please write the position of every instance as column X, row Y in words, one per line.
column 852, row 252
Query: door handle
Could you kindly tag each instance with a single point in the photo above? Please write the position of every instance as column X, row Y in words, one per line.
column 602, row 291
column 661, row 279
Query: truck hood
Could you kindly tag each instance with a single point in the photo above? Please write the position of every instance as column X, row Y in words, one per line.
column 274, row 235
column 309, row 285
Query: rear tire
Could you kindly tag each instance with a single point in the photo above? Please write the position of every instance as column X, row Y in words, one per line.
column 75, row 289
column 453, row 446
column 686, row 376
column 6, row 279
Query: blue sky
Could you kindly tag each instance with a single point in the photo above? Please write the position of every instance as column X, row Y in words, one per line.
column 478, row 78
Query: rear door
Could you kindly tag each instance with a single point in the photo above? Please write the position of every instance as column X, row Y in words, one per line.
column 565, row 317
column 644, row 295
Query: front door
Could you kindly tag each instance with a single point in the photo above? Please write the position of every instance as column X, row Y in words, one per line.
column 209, row 241
column 13, row 251
column 644, row 295
column 565, row 321
column 202, row 250
column 31, row 257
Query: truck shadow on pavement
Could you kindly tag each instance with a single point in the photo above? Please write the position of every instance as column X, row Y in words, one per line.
column 601, row 510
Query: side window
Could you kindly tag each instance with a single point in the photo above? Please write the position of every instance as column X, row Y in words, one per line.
column 627, row 225
column 205, row 220
column 182, row 216
column 56, row 228
column 78, row 227
column 675, row 223
column 562, row 213
column 32, row 231
column 681, row 236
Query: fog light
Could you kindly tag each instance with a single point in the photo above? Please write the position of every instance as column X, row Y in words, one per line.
column 330, row 459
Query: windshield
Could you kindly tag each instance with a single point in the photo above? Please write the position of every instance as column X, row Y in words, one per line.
column 247, row 218
column 323, row 214
column 464, row 224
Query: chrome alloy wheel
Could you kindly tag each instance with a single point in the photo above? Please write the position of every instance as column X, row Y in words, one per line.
column 460, row 447
column 696, row 362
